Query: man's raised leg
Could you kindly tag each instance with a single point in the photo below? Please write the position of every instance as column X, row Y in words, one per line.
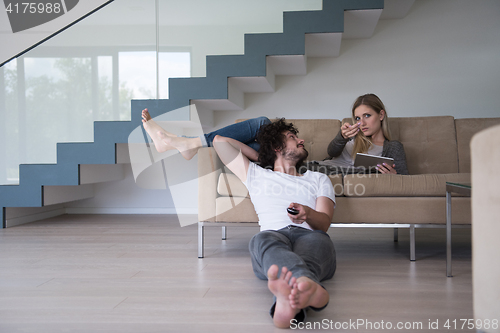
column 163, row 140
column 153, row 129
column 244, row 131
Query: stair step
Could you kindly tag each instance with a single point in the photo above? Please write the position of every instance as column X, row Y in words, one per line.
column 239, row 65
column 261, row 45
column 20, row 196
column 36, row 175
column 234, row 100
column 254, row 84
column 289, row 64
column 86, row 152
column 323, row 45
column 53, row 195
column 396, row 9
column 360, row 23
column 100, row 173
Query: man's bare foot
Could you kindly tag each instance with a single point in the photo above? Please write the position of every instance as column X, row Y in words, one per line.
column 145, row 116
column 305, row 292
column 151, row 124
column 281, row 287
column 152, row 128
column 163, row 140
column 188, row 147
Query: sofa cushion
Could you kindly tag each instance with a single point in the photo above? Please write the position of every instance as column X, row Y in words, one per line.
column 429, row 142
column 466, row 128
column 230, row 185
column 380, row 185
column 338, row 184
column 417, row 210
column 420, row 210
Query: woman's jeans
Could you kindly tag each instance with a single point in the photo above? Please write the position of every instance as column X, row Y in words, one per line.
column 245, row 131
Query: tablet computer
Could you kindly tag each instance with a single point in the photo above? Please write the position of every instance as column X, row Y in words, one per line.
column 370, row 161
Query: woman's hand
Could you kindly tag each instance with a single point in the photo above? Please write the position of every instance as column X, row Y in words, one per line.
column 349, row 131
column 386, row 168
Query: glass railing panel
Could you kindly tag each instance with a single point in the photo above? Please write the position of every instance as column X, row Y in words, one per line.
column 89, row 72
column 140, row 81
column 172, row 64
column 9, row 129
column 104, row 89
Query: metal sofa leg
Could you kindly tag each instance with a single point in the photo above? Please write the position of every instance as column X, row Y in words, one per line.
column 224, row 233
column 412, row 242
column 396, row 234
column 201, row 244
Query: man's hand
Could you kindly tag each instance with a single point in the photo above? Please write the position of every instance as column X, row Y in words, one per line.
column 319, row 218
column 301, row 217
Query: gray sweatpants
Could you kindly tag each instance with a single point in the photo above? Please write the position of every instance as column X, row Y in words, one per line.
column 303, row 252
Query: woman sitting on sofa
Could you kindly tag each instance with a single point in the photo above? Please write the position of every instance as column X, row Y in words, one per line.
column 369, row 135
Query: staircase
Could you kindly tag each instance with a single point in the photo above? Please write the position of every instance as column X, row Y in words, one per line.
column 228, row 78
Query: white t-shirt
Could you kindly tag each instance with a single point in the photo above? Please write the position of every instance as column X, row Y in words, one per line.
column 272, row 192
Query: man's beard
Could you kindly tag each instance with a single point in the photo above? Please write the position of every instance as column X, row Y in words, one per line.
column 298, row 156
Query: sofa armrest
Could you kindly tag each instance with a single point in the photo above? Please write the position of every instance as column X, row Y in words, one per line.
column 209, row 168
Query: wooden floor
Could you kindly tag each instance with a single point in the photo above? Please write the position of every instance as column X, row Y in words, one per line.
column 136, row 273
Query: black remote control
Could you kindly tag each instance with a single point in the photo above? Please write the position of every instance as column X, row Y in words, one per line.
column 292, row 211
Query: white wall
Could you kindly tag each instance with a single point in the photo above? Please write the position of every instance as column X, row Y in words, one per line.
column 442, row 59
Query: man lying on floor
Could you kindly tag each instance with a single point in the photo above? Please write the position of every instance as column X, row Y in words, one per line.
column 292, row 250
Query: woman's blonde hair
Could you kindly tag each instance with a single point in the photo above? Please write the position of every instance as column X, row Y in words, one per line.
column 361, row 142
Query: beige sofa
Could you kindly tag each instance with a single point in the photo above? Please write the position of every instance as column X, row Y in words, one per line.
column 437, row 151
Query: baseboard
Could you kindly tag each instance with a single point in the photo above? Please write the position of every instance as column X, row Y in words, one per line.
column 15, row 221
column 127, row 211
column 12, row 222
